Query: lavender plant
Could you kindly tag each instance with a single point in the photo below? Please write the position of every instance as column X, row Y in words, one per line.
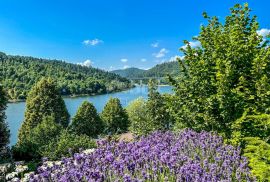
column 185, row 156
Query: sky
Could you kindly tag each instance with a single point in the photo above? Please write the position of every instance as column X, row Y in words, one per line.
column 110, row 34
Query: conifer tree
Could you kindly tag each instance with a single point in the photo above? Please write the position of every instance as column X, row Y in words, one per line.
column 115, row 117
column 87, row 121
column 4, row 131
column 43, row 100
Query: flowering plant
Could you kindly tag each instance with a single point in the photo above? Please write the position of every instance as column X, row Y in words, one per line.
column 186, row 156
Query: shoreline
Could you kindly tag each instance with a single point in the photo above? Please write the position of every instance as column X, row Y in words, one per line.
column 87, row 95
column 75, row 96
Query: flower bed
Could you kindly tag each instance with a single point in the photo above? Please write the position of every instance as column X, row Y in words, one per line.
column 186, row 156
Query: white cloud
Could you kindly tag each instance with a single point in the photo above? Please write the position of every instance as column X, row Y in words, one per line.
column 126, row 66
column 111, row 68
column 192, row 44
column 174, row 58
column 86, row 63
column 155, row 44
column 124, row 60
column 161, row 53
column 143, row 60
column 263, row 32
column 92, row 42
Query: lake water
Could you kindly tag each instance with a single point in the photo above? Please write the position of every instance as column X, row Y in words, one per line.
column 15, row 111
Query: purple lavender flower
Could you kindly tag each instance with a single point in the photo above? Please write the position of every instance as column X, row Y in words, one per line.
column 186, row 156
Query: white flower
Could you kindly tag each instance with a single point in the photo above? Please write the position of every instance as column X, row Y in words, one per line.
column 26, row 177
column 15, row 180
column 88, row 151
column 11, row 175
column 21, row 168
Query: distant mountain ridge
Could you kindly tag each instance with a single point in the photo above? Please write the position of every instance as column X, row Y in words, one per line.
column 160, row 70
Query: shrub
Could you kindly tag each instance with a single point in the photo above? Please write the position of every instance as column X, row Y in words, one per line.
column 258, row 153
column 138, row 117
column 65, row 144
column 186, row 156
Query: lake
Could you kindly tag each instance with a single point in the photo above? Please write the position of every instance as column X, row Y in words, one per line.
column 15, row 111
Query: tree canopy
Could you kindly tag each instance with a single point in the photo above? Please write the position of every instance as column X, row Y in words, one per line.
column 19, row 73
column 87, row 121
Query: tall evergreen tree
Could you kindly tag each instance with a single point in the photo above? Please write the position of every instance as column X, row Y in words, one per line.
column 156, row 109
column 87, row 121
column 115, row 117
column 43, row 100
column 4, row 131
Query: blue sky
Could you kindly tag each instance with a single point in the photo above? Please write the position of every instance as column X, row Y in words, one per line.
column 110, row 34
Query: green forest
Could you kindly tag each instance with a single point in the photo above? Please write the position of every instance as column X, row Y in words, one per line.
column 19, row 73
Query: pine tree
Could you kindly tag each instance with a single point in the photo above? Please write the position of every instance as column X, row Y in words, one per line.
column 4, row 131
column 87, row 121
column 43, row 100
column 115, row 117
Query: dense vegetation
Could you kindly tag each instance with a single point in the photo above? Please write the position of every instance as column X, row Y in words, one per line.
column 18, row 74
column 226, row 82
column 222, row 95
column 187, row 156
column 158, row 71
column 4, row 130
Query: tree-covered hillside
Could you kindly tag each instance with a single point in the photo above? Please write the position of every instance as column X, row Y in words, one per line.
column 160, row 70
column 19, row 73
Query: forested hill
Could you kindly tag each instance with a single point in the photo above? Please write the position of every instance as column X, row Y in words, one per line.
column 160, row 70
column 19, row 73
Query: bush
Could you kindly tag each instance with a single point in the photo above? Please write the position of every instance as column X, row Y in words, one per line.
column 65, row 144
column 258, row 153
column 251, row 125
column 186, row 156
column 138, row 117
column 40, row 136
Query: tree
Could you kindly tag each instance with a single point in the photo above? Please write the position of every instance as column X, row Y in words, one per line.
column 156, row 109
column 40, row 137
column 139, row 120
column 4, row 130
column 87, row 121
column 225, row 76
column 43, row 100
column 115, row 117
column 65, row 143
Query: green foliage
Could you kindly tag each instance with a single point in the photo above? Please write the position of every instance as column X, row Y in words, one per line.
column 251, row 125
column 157, row 112
column 4, row 131
column 258, row 153
column 65, row 143
column 226, row 75
column 87, row 121
column 40, row 136
column 44, row 100
column 18, row 74
column 138, row 117
column 115, row 117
